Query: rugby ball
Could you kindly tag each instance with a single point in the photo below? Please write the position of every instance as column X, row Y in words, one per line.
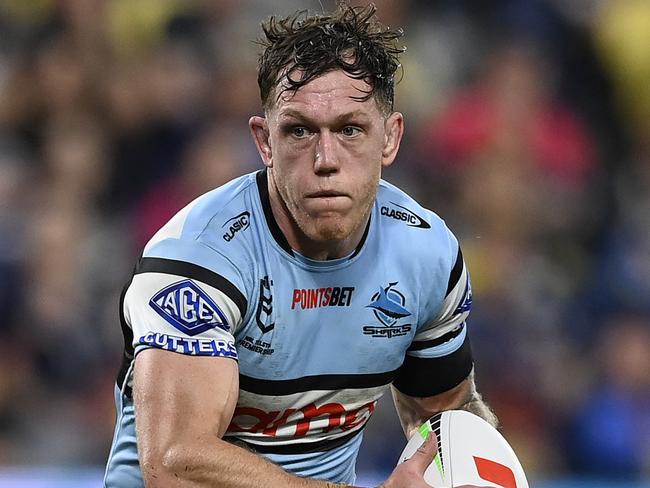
column 470, row 452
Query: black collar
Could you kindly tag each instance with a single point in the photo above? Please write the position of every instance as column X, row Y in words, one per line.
column 263, row 188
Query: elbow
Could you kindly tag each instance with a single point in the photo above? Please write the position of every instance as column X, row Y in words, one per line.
column 152, row 467
column 176, row 462
column 161, row 466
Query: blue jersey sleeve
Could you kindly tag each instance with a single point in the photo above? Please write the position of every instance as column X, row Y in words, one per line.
column 177, row 300
column 440, row 357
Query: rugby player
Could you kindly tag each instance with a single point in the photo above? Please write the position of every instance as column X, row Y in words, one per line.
column 264, row 321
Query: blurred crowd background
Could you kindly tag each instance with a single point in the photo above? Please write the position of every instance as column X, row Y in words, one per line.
column 528, row 130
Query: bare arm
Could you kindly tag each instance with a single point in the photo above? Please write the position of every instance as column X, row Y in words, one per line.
column 413, row 411
column 183, row 407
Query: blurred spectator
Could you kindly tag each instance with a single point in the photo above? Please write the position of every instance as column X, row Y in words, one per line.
column 620, row 274
column 518, row 167
column 610, row 433
column 520, row 164
column 216, row 156
column 15, row 172
column 627, row 267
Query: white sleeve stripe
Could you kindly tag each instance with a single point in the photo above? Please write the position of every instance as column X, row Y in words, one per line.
column 456, row 272
column 441, row 329
column 455, row 296
column 443, row 349
column 195, row 272
column 452, row 314
column 426, row 344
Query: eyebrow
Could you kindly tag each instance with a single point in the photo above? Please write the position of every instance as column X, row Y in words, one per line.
column 289, row 113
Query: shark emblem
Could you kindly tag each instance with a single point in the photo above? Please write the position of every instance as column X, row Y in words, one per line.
column 388, row 305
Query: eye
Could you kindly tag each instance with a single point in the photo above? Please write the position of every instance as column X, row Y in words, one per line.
column 350, row 131
column 299, row 132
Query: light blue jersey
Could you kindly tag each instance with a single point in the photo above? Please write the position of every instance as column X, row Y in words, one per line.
column 318, row 342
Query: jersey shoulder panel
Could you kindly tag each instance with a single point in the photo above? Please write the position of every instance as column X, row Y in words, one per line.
column 401, row 207
column 211, row 218
column 189, row 292
column 401, row 213
column 210, row 232
column 192, row 220
column 421, row 242
column 424, row 246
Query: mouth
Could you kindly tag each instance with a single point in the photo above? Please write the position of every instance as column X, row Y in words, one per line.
column 326, row 194
column 327, row 201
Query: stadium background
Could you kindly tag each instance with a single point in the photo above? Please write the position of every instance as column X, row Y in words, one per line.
column 528, row 130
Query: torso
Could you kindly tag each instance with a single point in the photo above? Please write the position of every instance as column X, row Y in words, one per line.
column 318, row 343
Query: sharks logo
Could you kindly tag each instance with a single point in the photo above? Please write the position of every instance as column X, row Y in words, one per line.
column 388, row 305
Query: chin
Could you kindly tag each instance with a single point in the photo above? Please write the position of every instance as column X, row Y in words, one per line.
column 328, row 230
column 332, row 234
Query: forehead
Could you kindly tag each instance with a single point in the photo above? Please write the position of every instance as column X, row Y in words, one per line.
column 332, row 93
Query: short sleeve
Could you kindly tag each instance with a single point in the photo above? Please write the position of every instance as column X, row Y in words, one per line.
column 440, row 356
column 183, row 307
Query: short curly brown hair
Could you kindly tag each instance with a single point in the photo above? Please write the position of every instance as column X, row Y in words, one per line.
column 350, row 39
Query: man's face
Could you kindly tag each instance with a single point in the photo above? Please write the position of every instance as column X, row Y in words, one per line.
column 325, row 151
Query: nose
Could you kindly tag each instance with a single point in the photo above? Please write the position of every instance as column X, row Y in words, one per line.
column 326, row 160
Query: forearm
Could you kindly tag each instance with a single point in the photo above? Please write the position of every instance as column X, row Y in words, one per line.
column 413, row 411
column 183, row 406
column 220, row 464
column 477, row 406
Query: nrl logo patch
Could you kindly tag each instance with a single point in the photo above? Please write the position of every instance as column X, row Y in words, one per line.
column 188, row 308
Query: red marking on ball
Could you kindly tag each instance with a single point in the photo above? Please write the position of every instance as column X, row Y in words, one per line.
column 495, row 472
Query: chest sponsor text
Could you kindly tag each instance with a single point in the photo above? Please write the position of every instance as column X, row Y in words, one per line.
column 333, row 296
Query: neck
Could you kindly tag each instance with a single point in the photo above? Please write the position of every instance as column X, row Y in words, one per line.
column 320, row 250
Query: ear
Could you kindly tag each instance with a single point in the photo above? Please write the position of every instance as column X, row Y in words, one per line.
column 394, row 129
column 260, row 131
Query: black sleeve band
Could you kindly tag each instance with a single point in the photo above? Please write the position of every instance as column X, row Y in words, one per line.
column 424, row 377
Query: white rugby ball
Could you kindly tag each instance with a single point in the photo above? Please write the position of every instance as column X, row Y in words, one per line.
column 470, row 452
